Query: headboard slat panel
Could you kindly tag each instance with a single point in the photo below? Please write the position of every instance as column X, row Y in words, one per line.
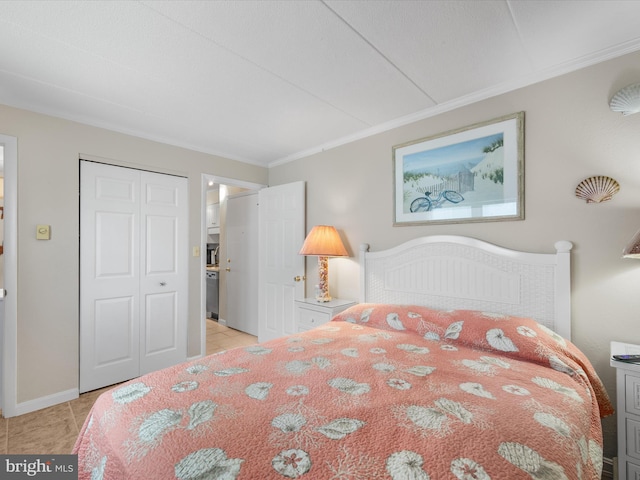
column 451, row 272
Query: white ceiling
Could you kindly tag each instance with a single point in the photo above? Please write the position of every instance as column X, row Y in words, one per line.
column 269, row 81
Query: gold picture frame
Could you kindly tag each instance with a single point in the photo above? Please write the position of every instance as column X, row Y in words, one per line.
column 472, row 174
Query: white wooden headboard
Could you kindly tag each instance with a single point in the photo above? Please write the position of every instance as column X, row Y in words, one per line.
column 452, row 272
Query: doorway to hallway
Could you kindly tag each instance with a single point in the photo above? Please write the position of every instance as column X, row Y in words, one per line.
column 224, row 227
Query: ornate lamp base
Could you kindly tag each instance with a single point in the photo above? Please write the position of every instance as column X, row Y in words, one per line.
column 322, row 295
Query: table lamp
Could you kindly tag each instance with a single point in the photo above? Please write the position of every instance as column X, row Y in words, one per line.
column 632, row 250
column 323, row 241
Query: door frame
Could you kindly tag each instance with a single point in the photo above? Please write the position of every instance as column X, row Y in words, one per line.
column 206, row 178
column 8, row 402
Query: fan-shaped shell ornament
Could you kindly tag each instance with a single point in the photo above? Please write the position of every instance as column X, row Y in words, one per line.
column 627, row 100
column 597, row 189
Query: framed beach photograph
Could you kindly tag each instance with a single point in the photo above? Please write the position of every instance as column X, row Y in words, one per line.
column 473, row 174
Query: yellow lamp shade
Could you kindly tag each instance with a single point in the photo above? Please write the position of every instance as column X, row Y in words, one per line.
column 324, row 241
column 632, row 250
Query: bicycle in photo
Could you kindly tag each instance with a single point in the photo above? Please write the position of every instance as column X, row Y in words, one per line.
column 426, row 204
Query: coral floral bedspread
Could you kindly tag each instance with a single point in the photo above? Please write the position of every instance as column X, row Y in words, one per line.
column 381, row 392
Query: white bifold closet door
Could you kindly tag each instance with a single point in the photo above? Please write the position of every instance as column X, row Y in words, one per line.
column 133, row 273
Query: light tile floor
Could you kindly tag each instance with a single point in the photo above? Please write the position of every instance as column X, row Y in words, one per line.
column 54, row 429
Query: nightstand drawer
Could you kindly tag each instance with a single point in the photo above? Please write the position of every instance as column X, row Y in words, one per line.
column 632, row 394
column 311, row 314
column 633, row 438
column 633, row 471
column 311, row 319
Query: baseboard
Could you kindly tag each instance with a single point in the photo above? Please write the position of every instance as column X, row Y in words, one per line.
column 47, row 401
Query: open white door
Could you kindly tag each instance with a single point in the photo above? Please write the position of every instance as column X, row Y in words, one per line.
column 281, row 234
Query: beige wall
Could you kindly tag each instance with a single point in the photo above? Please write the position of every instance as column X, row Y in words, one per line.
column 570, row 134
column 48, row 185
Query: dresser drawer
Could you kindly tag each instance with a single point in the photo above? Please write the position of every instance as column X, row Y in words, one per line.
column 628, row 410
column 633, row 438
column 633, row 471
column 632, row 394
column 311, row 319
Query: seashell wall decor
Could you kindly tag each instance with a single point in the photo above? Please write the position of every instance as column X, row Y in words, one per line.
column 627, row 100
column 597, row 189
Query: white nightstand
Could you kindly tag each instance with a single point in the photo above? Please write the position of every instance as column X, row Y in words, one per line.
column 628, row 411
column 311, row 314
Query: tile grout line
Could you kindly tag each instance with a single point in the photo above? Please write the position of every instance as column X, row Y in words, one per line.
column 6, row 432
column 75, row 422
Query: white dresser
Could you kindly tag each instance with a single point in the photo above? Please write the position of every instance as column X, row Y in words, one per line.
column 311, row 314
column 627, row 411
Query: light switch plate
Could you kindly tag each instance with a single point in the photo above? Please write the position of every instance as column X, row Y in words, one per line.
column 43, row 232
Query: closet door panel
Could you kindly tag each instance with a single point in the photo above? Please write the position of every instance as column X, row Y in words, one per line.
column 109, row 275
column 163, row 283
column 161, row 325
column 162, row 256
column 114, row 318
column 115, row 235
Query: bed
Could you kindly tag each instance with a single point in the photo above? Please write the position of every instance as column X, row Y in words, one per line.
column 456, row 363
